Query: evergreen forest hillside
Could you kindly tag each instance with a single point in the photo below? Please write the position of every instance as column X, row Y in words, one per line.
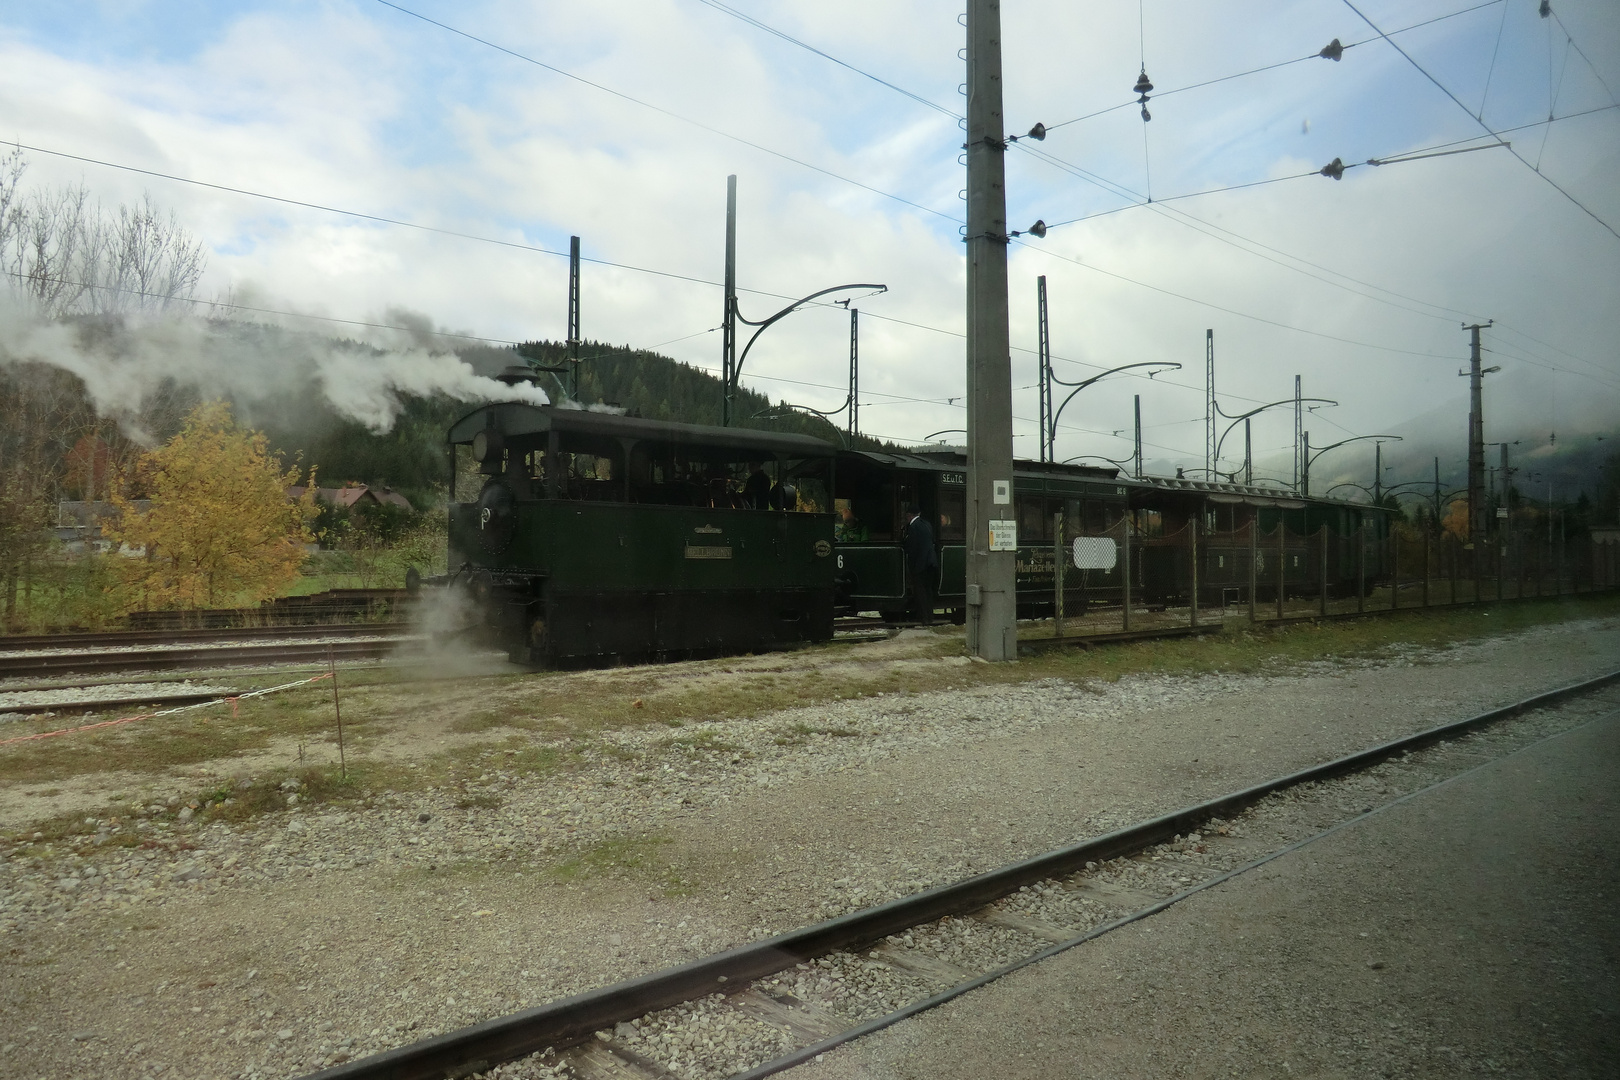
column 410, row 458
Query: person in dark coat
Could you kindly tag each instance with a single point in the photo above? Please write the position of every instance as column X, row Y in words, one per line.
column 757, row 490
column 922, row 564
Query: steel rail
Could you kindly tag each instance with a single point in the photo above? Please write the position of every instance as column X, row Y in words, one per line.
column 215, row 656
column 17, row 642
column 95, row 704
column 1114, row 637
column 569, row 1021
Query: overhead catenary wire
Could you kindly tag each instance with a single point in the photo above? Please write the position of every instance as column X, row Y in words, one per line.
column 1266, row 67
column 789, row 38
column 672, row 275
column 1489, row 130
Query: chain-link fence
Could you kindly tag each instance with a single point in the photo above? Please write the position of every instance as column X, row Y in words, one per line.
column 1192, row 575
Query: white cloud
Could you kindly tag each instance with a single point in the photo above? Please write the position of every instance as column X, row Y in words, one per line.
column 357, row 106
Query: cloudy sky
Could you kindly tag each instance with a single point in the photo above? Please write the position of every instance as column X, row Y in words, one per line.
column 620, row 123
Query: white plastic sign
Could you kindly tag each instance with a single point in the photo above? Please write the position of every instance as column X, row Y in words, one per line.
column 1095, row 553
column 1003, row 536
column 1001, row 492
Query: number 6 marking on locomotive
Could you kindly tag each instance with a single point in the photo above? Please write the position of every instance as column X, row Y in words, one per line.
column 483, row 518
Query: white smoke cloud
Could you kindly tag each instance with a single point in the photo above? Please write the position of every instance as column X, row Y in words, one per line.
column 123, row 363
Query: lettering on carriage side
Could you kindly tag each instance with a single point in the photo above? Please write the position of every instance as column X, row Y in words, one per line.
column 708, row 551
column 708, row 529
column 959, row 479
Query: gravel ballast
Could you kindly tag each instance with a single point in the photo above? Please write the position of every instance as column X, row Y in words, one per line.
column 358, row 929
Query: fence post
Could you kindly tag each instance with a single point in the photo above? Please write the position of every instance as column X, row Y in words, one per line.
column 1394, row 570
column 1057, row 574
column 1427, row 538
column 1497, row 552
column 1518, row 563
column 1192, row 557
column 1361, row 567
column 1254, row 557
column 1125, row 567
column 1557, row 569
column 1324, row 598
column 1282, row 562
column 1457, row 557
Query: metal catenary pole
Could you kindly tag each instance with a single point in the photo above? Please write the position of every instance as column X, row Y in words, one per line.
column 728, row 321
column 854, row 372
column 991, row 602
column 1044, row 358
column 573, row 317
column 1476, row 445
column 1248, row 453
column 1137, row 454
column 1209, row 404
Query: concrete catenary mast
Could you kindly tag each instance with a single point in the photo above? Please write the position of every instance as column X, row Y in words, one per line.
column 991, row 539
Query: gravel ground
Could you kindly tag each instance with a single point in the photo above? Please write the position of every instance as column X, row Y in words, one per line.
column 314, row 935
column 1468, row 932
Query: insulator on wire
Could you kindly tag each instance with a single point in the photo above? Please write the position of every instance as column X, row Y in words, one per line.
column 1332, row 51
column 1143, row 85
column 1334, row 169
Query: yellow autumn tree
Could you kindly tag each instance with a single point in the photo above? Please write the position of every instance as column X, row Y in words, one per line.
column 1456, row 520
column 221, row 529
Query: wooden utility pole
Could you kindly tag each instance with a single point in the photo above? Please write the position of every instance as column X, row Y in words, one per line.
column 991, row 525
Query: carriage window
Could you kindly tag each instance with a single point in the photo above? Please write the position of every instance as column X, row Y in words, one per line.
column 952, row 515
column 1033, row 521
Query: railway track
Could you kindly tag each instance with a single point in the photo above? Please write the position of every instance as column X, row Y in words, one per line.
column 34, row 642
column 919, row 951
column 41, row 664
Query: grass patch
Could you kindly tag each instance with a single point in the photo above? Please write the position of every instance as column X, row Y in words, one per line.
column 618, row 854
column 489, row 720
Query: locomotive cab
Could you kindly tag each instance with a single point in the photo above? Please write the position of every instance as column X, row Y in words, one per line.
column 586, row 534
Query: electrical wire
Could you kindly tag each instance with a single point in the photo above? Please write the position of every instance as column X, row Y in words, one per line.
column 1267, row 67
column 769, row 29
column 1232, row 311
column 668, row 112
column 1582, row 54
column 382, row 220
column 1458, row 102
